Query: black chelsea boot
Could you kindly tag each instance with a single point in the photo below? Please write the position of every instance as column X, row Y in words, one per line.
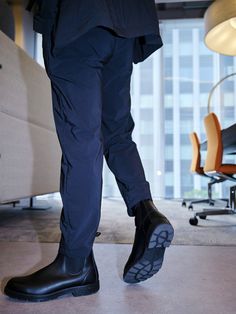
column 153, row 234
column 65, row 275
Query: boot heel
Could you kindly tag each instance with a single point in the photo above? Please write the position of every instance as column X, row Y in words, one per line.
column 86, row 290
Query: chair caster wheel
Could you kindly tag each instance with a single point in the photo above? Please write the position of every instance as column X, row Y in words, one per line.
column 202, row 216
column 193, row 221
column 190, row 207
column 183, row 204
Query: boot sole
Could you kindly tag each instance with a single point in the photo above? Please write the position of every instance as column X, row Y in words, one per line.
column 75, row 291
column 151, row 260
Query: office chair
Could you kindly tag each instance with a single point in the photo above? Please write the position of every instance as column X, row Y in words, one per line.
column 196, row 168
column 214, row 168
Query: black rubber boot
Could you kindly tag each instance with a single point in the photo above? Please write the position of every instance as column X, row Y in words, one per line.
column 65, row 275
column 153, row 234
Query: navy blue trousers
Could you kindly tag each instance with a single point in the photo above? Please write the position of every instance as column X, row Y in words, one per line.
column 90, row 84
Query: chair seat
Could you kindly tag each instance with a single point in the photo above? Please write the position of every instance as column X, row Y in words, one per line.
column 228, row 168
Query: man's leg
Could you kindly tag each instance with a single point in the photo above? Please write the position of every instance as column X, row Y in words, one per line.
column 120, row 150
column 153, row 230
column 75, row 74
column 77, row 103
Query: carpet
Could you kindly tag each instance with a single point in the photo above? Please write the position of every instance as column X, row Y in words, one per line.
column 115, row 225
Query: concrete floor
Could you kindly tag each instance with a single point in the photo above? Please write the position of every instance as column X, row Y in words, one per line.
column 193, row 280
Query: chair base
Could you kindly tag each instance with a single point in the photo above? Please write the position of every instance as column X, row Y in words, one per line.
column 215, row 212
column 194, row 201
column 208, row 201
column 207, row 212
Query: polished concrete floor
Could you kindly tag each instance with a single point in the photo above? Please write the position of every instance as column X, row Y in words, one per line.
column 193, row 280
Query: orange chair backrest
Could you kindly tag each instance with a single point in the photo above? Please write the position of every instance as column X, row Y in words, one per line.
column 196, row 156
column 214, row 143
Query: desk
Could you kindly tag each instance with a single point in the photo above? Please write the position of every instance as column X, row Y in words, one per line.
column 228, row 139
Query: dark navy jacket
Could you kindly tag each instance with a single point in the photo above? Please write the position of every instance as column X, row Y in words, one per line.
column 72, row 18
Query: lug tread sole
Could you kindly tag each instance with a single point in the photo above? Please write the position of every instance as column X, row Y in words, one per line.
column 152, row 259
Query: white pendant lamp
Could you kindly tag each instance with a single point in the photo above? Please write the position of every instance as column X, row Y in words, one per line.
column 220, row 27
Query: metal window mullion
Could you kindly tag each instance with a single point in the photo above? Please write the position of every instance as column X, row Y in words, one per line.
column 158, row 124
column 196, row 94
column 176, row 116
